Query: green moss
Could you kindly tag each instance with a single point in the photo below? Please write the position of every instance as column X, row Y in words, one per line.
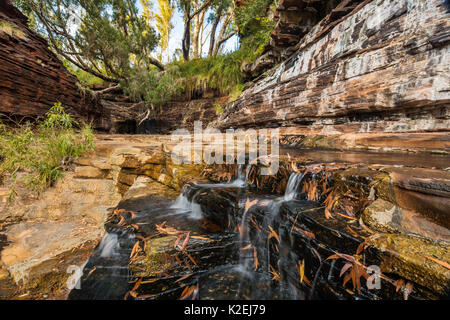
column 153, row 262
column 385, row 188
column 12, row 30
column 236, row 92
column 404, row 255
column 218, row 108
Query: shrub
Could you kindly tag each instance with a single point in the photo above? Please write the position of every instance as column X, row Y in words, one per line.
column 154, row 86
column 255, row 24
column 220, row 73
column 43, row 151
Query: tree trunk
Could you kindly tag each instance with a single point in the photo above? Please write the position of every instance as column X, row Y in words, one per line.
column 195, row 36
column 213, row 34
column 198, row 31
column 186, row 44
column 220, row 39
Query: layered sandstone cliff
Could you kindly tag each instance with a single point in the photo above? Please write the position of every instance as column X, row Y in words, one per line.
column 32, row 79
column 382, row 66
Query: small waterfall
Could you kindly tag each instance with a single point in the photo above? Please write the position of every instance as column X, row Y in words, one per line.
column 292, row 186
column 241, row 175
column 267, row 258
column 186, row 205
column 241, row 180
column 182, row 203
column 109, row 245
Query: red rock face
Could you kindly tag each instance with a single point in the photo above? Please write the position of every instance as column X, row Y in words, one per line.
column 383, row 67
column 32, row 78
column 182, row 114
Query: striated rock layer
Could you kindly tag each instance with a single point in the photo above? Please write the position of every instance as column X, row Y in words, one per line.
column 33, row 79
column 383, row 67
column 182, row 114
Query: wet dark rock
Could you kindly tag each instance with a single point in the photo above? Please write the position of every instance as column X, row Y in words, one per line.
column 396, row 255
column 219, row 205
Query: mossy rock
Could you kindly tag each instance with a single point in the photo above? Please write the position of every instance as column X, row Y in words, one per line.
column 414, row 258
column 381, row 216
column 319, row 141
column 385, row 187
column 153, row 262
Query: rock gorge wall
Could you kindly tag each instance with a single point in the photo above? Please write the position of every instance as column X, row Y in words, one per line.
column 182, row 114
column 32, row 79
column 382, row 67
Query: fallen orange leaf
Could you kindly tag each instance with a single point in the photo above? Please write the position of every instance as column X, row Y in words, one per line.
column 442, row 263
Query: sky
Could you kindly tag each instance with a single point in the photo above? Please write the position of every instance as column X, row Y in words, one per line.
column 176, row 34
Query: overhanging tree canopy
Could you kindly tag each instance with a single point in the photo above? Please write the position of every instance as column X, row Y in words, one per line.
column 103, row 37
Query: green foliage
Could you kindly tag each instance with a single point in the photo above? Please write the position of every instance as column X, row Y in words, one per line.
column 255, row 26
column 24, row 6
column 107, row 38
column 218, row 108
column 236, row 92
column 154, row 86
column 86, row 77
column 43, row 152
column 115, row 42
column 220, row 73
column 11, row 29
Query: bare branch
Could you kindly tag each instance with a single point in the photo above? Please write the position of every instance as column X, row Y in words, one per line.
column 68, row 57
column 202, row 7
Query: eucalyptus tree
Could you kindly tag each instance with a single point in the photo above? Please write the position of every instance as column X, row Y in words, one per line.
column 198, row 28
column 106, row 38
column 222, row 14
column 164, row 24
column 190, row 10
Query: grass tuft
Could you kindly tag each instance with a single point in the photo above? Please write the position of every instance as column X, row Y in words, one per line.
column 44, row 151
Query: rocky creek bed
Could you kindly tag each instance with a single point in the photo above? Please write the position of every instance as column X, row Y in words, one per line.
column 315, row 230
column 227, row 242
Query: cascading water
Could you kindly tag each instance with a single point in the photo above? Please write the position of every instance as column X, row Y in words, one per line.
column 241, row 180
column 190, row 206
column 109, row 245
column 292, row 186
column 253, row 267
column 106, row 272
column 251, row 248
column 183, row 204
column 257, row 264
